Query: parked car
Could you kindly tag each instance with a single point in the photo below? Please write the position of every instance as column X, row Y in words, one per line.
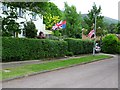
column 97, row 48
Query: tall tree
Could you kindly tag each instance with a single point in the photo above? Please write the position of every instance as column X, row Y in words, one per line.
column 90, row 20
column 73, row 19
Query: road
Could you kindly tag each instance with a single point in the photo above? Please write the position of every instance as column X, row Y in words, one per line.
column 100, row 74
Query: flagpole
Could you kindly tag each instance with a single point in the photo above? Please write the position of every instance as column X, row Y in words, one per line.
column 94, row 35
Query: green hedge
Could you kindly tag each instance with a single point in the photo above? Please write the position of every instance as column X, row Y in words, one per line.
column 19, row 49
column 78, row 46
column 110, row 44
column 16, row 49
column 118, row 48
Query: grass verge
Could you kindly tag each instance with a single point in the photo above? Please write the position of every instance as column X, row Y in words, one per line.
column 29, row 69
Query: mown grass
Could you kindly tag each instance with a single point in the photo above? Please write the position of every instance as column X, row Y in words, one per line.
column 29, row 69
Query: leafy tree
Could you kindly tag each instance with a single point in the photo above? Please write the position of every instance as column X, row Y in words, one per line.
column 30, row 30
column 38, row 7
column 73, row 22
column 118, row 27
column 112, row 28
column 9, row 25
column 90, row 20
column 50, row 20
column 52, row 16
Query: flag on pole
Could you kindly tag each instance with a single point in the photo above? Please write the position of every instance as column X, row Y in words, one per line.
column 91, row 34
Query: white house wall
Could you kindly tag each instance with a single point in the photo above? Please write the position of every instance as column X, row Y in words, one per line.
column 28, row 17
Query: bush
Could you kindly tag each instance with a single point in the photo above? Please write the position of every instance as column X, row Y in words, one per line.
column 69, row 54
column 30, row 30
column 16, row 49
column 19, row 49
column 78, row 46
column 110, row 43
column 118, row 47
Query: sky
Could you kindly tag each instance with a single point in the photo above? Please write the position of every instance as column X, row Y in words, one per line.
column 109, row 7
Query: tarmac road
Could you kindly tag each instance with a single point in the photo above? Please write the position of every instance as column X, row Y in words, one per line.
column 100, row 74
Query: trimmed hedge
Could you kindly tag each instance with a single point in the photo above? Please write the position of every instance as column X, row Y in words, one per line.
column 118, row 48
column 110, row 44
column 16, row 49
column 78, row 46
column 19, row 49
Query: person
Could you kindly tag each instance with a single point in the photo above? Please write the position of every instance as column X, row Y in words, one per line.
column 41, row 35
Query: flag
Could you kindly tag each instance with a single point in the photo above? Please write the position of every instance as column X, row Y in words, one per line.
column 55, row 27
column 63, row 24
column 60, row 25
column 91, row 34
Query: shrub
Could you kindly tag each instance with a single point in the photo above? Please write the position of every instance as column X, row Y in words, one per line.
column 19, row 49
column 30, row 30
column 109, row 44
column 16, row 49
column 78, row 46
column 118, row 47
column 69, row 54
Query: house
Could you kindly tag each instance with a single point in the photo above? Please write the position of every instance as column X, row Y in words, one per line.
column 24, row 17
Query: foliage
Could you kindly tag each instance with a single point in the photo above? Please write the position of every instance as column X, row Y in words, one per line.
column 30, row 30
column 56, row 33
column 118, row 47
column 38, row 7
column 90, row 20
column 78, row 46
column 9, row 25
column 52, row 16
column 73, row 22
column 112, row 28
column 109, row 43
column 15, row 49
column 118, row 28
column 50, row 20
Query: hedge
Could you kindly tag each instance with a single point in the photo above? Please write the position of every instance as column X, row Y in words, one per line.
column 78, row 46
column 118, row 48
column 16, row 49
column 110, row 44
column 19, row 49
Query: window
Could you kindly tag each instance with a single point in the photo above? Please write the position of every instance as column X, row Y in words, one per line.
column 4, row 8
column 20, row 13
column 34, row 16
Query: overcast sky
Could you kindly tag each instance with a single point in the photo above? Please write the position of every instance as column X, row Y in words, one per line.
column 109, row 7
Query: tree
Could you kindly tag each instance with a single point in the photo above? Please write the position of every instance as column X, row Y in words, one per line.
column 9, row 25
column 90, row 20
column 112, row 28
column 118, row 27
column 38, row 7
column 30, row 30
column 52, row 16
column 73, row 22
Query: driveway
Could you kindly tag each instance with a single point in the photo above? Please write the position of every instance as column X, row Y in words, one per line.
column 100, row 74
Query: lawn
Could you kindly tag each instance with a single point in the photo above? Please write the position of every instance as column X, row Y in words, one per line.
column 29, row 69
